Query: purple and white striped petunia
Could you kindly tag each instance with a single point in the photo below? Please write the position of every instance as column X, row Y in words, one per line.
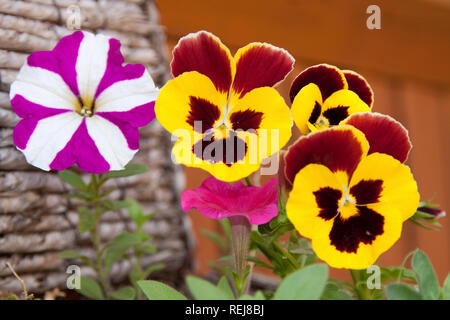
column 81, row 105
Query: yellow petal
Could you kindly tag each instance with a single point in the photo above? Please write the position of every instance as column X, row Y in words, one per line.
column 303, row 106
column 302, row 208
column 176, row 109
column 263, row 110
column 399, row 193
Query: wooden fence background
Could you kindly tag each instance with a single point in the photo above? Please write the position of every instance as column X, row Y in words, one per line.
column 406, row 62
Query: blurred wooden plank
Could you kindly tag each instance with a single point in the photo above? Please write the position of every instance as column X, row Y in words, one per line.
column 427, row 115
column 414, row 40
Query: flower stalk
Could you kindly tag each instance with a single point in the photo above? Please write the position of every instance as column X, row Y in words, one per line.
column 240, row 235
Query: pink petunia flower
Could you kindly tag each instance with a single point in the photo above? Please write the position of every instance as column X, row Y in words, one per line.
column 81, row 105
column 218, row 199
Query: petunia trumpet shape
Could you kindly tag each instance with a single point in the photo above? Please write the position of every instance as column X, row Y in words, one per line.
column 223, row 110
column 218, row 199
column 80, row 105
column 322, row 96
column 349, row 200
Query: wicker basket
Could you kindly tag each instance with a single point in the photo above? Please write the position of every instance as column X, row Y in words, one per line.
column 36, row 221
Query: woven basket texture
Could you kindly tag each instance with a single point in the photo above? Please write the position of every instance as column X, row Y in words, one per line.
column 36, row 219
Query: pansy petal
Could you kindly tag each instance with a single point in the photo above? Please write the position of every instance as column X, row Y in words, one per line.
column 366, row 254
column 260, row 65
column 399, row 193
column 188, row 101
column 313, row 200
column 205, row 53
column 327, row 77
column 360, row 86
column 341, row 104
column 307, row 107
column 385, row 134
column 43, row 87
column 339, row 148
column 264, row 111
column 49, row 136
column 111, row 142
column 217, row 199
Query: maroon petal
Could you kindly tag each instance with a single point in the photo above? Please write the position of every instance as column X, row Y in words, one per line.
column 360, row 86
column 205, row 53
column 260, row 65
column 327, row 77
column 385, row 134
column 339, row 148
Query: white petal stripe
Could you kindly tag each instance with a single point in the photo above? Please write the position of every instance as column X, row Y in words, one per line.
column 43, row 87
column 127, row 94
column 110, row 142
column 49, row 137
column 91, row 64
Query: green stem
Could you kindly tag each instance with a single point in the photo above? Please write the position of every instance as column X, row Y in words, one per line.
column 355, row 283
column 96, row 238
column 289, row 256
column 403, row 265
column 240, row 239
column 248, row 181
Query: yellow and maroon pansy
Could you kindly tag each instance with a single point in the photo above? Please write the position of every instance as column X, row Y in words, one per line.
column 351, row 201
column 224, row 111
column 323, row 96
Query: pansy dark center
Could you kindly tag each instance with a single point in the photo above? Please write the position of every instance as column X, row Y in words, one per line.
column 207, row 118
column 353, row 221
column 329, row 117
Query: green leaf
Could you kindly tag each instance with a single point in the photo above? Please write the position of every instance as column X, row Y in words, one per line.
column 426, row 277
column 394, row 273
column 90, row 288
column 225, row 287
column 87, row 196
column 149, row 249
column 69, row 254
column 216, row 238
column 258, row 296
column 333, row 292
column 155, row 290
column 117, row 248
column 205, row 290
column 153, row 268
column 401, row 291
column 73, row 179
column 259, row 262
column 304, row 284
column 131, row 169
column 446, row 288
column 134, row 210
column 124, row 293
column 86, row 219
